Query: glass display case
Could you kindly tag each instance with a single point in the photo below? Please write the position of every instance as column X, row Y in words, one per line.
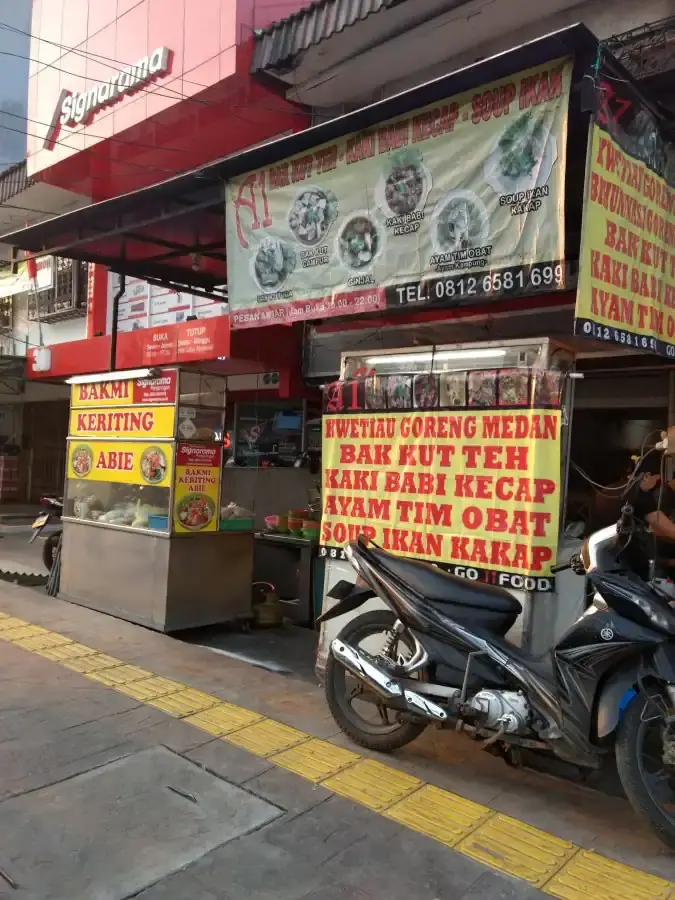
column 128, row 505
column 509, row 374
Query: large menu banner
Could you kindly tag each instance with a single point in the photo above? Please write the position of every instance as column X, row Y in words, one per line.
column 626, row 287
column 476, row 491
column 459, row 200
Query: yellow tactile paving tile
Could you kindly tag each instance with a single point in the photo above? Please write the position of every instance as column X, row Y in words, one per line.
column 267, row 737
column 20, row 632
column 119, row 675
column 94, row 663
column 439, row 814
column 184, row 703
column 315, row 760
column 43, row 641
column 66, row 651
column 224, row 719
column 517, row 849
column 373, row 784
column 150, row 688
column 588, row 876
column 9, row 622
column 557, row 867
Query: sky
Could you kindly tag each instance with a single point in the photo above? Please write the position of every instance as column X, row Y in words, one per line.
column 14, row 52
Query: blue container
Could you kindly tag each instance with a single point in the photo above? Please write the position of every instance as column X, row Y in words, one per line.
column 158, row 523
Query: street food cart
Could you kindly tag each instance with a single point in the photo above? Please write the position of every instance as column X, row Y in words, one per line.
column 147, row 535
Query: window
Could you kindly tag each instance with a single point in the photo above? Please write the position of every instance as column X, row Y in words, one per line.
column 67, row 296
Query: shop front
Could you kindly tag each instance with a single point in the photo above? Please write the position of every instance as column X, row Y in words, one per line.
column 433, row 243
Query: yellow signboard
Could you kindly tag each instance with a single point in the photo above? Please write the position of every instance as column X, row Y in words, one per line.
column 626, row 286
column 121, row 462
column 135, row 392
column 150, row 422
column 474, row 490
column 195, row 502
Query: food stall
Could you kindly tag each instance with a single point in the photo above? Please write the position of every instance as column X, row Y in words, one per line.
column 148, row 535
column 456, row 455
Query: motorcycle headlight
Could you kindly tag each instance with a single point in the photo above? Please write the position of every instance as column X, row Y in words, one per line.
column 655, row 617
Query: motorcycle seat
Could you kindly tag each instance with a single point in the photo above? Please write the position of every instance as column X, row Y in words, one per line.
column 440, row 586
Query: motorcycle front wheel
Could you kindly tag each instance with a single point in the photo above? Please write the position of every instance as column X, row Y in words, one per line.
column 649, row 783
column 359, row 713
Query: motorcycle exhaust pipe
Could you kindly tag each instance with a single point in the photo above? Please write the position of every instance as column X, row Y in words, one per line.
column 381, row 683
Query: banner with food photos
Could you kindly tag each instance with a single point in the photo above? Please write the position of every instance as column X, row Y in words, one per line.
column 460, row 200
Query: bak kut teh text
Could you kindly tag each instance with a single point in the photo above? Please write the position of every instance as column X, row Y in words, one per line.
column 470, row 488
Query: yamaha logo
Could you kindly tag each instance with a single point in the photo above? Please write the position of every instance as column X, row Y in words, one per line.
column 607, row 634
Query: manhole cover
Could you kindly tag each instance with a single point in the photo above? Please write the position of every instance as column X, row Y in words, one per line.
column 110, row 832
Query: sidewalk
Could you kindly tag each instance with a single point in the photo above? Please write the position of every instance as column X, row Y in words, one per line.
column 352, row 835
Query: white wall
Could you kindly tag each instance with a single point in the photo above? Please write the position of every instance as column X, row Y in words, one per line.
column 461, row 37
column 604, row 20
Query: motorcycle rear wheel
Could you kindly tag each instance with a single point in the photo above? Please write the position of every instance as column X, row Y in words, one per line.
column 49, row 549
column 384, row 738
column 649, row 784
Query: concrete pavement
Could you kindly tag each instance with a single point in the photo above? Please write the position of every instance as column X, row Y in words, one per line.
column 65, row 809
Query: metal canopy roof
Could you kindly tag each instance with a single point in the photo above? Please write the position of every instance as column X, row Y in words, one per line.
column 279, row 44
column 173, row 233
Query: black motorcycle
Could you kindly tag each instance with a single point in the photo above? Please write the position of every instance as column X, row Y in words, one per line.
column 440, row 656
column 53, row 510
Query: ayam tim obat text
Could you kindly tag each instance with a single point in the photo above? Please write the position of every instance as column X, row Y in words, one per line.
column 524, row 522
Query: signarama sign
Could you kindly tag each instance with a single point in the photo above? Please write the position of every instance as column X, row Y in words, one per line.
column 80, row 108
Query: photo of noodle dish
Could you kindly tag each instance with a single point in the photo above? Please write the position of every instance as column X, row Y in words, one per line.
column 358, row 242
column 82, row 460
column 153, row 465
column 523, row 155
column 195, row 511
column 405, row 184
column 272, row 264
column 459, row 221
column 312, row 213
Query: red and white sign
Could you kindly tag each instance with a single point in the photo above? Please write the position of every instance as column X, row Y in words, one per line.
column 198, row 455
column 345, row 303
column 170, row 344
column 156, row 390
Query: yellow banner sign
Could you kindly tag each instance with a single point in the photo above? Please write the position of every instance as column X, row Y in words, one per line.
column 626, row 287
column 476, row 491
column 197, row 488
column 135, row 392
column 121, row 462
column 150, row 422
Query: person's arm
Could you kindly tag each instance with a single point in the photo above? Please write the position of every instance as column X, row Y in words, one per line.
column 661, row 525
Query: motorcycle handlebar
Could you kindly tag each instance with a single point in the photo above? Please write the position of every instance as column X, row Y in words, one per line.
column 561, row 567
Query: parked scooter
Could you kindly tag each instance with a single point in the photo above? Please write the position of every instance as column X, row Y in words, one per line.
column 440, row 656
column 53, row 510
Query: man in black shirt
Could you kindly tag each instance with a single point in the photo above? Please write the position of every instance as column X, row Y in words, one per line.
column 653, row 503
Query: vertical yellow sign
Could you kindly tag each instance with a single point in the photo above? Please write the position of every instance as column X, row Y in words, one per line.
column 195, row 505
